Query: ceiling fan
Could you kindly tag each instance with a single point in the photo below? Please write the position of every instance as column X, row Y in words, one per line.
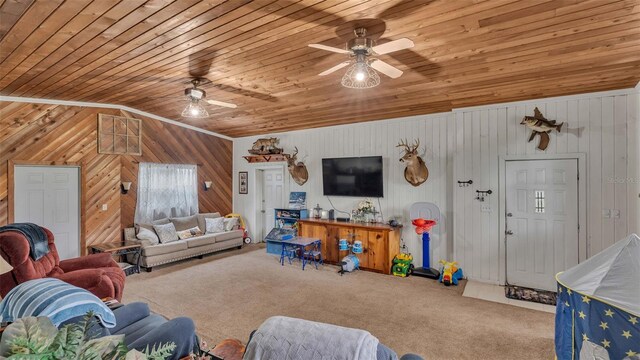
column 361, row 50
column 196, row 95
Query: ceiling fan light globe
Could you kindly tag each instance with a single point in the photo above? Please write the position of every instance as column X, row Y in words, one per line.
column 360, row 76
column 195, row 110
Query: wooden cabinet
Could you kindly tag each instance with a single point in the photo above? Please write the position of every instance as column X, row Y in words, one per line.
column 380, row 243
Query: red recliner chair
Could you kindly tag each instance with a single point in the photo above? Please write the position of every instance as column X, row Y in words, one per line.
column 98, row 273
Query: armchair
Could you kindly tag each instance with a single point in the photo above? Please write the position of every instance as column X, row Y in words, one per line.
column 98, row 273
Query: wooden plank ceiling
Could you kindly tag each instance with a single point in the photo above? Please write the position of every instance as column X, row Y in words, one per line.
column 467, row 52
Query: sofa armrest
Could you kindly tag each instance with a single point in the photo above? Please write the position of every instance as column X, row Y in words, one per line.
column 91, row 261
column 85, row 278
column 130, row 234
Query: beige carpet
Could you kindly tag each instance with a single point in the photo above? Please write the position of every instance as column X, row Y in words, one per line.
column 230, row 294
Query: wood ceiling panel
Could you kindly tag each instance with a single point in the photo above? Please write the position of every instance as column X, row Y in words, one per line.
column 468, row 52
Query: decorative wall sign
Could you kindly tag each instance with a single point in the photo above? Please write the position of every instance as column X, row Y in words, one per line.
column 539, row 125
column 119, row 135
column 243, row 181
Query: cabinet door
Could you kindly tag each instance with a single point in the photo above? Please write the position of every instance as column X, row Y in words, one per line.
column 316, row 232
column 377, row 251
column 363, row 235
column 330, row 249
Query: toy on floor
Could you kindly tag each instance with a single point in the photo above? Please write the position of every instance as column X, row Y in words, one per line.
column 402, row 265
column 423, row 227
column 349, row 263
column 450, row 273
column 243, row 227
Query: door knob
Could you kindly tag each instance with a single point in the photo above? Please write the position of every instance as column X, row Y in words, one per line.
column 509, row 232
column 509, row 214
column 262, row 211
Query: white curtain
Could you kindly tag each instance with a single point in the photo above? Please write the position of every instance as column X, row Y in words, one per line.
column 166, row 190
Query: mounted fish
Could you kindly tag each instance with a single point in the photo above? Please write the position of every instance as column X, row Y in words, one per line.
column 297, row 170
column 416, row 171
column 539, row 125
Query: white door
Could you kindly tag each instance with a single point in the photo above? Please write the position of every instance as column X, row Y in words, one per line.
column 49, row 196
column 272, row 191
column 542, row 220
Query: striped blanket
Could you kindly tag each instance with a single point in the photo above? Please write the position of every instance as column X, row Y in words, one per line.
column 54, row 299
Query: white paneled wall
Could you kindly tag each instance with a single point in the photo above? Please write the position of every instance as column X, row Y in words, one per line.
column 369, row 139
column 467, row 144
column 602, row 126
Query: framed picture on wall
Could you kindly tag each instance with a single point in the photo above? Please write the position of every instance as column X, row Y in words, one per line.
column 243, row 180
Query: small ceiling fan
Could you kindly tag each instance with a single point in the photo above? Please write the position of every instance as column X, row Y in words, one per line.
column 361, row 49
column 195, row 95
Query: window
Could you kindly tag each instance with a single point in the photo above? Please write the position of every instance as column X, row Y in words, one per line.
column 166, row 190
column 539, row 198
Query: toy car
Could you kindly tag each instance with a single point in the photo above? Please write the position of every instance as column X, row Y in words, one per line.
column 402, row 265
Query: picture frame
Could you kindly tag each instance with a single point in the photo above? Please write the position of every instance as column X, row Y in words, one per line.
column 243, row 182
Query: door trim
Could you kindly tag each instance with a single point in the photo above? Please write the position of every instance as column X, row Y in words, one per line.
column 257, row 187
column 10, row 196
column 502, row 197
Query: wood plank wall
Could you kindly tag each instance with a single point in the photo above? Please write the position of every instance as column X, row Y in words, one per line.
column 67, row 134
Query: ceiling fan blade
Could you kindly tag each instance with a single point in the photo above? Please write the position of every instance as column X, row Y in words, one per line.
column 335, row 68
column 392, row 46
column 386, row 69
column 329, row 48
column 221, row 103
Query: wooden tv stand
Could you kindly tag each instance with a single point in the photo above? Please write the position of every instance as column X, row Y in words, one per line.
column 380, row 242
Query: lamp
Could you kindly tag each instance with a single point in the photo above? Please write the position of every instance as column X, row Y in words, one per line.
column 4, row 266
column 207, row 185
column 125, row 186
column 195, row 110
column 360, row 75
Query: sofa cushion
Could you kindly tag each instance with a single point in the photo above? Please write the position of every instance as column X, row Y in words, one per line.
column 228, row 235
column 164, row 248
column 205, row 239
column 150, row 226
column 147, row 234
column 201, row 222
column 214, row 226
column 166, row 233
column 184, row 223
column 189, row 233
column 231, row 224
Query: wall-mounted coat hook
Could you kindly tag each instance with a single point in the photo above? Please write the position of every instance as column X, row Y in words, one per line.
column 480, row 194
column 465, row 183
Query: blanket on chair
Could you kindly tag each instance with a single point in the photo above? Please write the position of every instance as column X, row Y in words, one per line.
column 54, row 299
column 284, row 338
column 38, row 242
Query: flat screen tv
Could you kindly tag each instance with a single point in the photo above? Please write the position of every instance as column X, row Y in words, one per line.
column 352, row 176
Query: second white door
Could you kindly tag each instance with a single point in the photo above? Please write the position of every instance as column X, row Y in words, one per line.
column 542, row 220
column 49, row 196
column 272, row 192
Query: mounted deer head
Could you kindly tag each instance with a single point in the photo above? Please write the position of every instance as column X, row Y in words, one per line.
column 416, row 171
column 298, row 170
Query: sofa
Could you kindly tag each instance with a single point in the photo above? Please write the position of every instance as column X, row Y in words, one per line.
column 97, row 273
column 159, row 253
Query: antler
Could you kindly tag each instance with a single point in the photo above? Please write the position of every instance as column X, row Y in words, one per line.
column 295, row 153
column 403, row 143
column 416, row 145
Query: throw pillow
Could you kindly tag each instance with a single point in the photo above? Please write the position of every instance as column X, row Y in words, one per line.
column 184, row 223
column 145, row 234
column 231, row 224
column 214, row 225
column 166, row 233
column 189, row 233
